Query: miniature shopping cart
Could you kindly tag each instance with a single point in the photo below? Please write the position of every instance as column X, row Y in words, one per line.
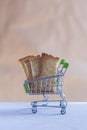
column 46, row 86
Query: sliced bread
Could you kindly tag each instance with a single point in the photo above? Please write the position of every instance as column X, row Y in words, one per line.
column 31, row 66
column 48, row 68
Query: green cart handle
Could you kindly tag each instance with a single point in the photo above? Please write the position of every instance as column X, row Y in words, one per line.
column 26, row 88
column 64, row 63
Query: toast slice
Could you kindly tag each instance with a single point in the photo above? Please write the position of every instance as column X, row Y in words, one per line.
column 49, row 65
column 35, row 66
column 31, row 67
column 25, row 62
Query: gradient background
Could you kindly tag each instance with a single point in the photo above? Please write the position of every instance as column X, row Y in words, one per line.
column 30, row 27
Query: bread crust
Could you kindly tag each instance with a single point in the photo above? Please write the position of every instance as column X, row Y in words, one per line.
column 25, row 62
column 26, row 58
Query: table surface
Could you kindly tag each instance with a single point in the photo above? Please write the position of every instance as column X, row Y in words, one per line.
column 18, row 116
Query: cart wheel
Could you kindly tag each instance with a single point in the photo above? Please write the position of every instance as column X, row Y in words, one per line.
column 34, row 110
column 34, row 106
column 63, row 111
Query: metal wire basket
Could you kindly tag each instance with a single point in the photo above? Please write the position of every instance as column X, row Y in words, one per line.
column 46, row 86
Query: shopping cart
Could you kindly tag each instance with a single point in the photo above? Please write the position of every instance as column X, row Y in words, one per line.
column 46, row 86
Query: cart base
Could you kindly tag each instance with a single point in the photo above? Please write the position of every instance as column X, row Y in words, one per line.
column 62, row 104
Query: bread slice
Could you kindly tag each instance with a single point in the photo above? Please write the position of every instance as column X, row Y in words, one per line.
column 48, row 68
column 35, row 66
column 49, row 65
column 25, row 62
column 31, row 66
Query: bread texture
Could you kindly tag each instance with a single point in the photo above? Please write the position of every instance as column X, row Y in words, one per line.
column 48, row 65
column 31, row 67
column 25, row 62
column 38, row 67
column 48, row 68
column 35, row 66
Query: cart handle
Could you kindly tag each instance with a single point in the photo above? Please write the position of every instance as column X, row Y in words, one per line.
column 26, row 88
column 64, row 63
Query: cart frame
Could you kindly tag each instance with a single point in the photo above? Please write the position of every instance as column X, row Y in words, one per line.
column 59, row 84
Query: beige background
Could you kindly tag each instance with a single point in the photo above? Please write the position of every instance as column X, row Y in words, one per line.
column 58, row 27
